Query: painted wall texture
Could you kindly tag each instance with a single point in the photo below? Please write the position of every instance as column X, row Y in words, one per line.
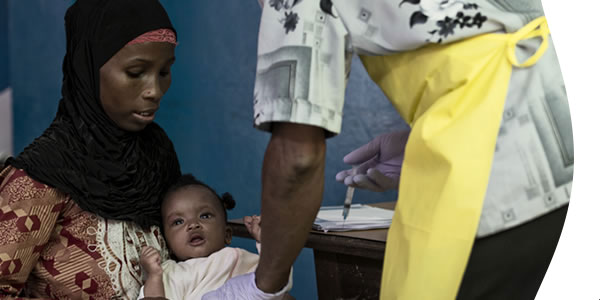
column 208, row 110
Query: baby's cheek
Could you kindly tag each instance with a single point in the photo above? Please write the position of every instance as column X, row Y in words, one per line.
column 169, row 238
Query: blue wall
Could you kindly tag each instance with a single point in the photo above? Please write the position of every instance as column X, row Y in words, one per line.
column 36, row 49
column 208, row 110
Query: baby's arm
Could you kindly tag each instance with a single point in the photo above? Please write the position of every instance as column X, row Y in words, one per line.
column 150, row 260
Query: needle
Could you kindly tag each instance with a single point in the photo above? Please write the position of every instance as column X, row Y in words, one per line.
column 348, row 200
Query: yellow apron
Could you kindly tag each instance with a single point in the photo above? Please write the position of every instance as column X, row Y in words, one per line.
column 453, row 96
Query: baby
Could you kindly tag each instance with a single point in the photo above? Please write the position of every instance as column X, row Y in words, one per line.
column 195, row 227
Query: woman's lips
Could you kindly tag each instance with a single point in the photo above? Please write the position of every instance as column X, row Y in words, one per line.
column 145, row 116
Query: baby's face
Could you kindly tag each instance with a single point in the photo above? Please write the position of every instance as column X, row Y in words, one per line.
column 194, row 223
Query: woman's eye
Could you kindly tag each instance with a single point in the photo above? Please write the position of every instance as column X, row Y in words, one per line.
column 165, row 73
column 134, row 74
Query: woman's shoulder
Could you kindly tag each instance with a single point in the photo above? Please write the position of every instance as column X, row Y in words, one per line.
column 16, row 185
column 11, row 174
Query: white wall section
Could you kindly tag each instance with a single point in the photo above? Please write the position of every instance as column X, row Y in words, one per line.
column 6, row 124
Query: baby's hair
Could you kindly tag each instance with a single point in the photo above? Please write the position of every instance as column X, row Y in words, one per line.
column 184, row 180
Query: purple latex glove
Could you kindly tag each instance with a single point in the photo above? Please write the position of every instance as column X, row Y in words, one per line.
column 242, row 287
column 378, row 163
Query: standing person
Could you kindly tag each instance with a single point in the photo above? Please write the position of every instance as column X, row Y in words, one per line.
column 455, row 73
column 80, row 202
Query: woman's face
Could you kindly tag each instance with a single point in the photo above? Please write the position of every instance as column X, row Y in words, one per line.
column 194, row 223
column 133, row 81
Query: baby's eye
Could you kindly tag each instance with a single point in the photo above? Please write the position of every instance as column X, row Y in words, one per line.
column 206, row 216
column 178, row 222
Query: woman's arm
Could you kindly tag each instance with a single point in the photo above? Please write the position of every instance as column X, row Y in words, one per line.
column 28, row 212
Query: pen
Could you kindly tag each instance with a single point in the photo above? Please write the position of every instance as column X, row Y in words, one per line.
column 348, row 200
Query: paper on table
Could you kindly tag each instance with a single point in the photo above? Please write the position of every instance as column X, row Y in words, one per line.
column 361, row 217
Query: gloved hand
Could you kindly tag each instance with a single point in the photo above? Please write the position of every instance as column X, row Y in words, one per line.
column 242, row 287
column 379, row 163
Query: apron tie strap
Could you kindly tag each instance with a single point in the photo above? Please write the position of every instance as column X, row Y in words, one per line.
column 535, row 28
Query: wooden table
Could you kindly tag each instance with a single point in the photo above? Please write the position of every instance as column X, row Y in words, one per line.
column 348, row 264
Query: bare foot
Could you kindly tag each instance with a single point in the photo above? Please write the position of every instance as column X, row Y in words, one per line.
column 253, row 225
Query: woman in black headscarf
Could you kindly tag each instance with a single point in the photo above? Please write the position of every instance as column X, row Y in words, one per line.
column 82, row 199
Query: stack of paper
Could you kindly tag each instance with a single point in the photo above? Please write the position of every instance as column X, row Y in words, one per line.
column 361, row 217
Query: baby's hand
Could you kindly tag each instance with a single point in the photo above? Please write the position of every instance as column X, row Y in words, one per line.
column 253, row 225
column 150, row 260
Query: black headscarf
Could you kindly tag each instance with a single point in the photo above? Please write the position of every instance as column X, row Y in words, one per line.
column 107, row 171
